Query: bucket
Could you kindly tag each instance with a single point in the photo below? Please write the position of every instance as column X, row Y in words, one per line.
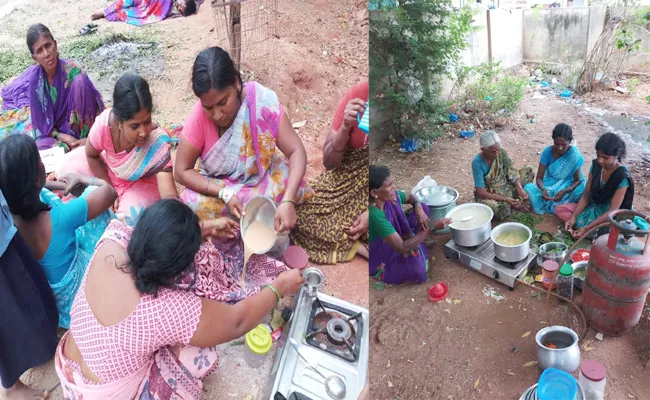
column 436, row 213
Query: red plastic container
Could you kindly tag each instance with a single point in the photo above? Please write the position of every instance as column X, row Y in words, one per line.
column 296, row 257
column 438, row 292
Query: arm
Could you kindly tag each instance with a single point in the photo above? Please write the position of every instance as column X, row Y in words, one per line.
column 101, row 199
column 482, row 193
column 539, row 179
column 617, row 200
column 576, row 182
column 291, row 146
column 339, row 136
column 166, row 184
column 185, row 174
column 334, row 148
column 95, row 163
column 405, row 246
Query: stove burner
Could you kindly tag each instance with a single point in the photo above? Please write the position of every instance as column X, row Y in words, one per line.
column 511, row 265
column 333, row 329
column 338, row 331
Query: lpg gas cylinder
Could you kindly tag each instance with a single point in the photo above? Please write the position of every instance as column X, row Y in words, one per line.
column 618, row 276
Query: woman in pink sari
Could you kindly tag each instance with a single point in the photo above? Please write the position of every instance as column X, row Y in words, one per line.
column 128, row 150
column 135, row 332
column 227, row 152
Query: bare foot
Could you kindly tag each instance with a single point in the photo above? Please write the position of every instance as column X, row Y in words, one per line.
column 20, row 391
column 97, row 15
column 363, row 251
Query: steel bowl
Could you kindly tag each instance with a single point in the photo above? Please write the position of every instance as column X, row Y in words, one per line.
column 566, row 357
column 259, row 208
column 511, row 253
column 579, row 266
column 436, row 196
column 546, row 252
column 473, row 236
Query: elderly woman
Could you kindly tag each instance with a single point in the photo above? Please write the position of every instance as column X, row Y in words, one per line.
column 497, row 184
column 397, row 251
column 331, row 224
column 559, row 176
column 53, row 101
column 144, row 12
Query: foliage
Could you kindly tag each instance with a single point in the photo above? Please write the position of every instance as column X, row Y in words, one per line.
column 633, row 85
column 411, row 47
column 488, row 81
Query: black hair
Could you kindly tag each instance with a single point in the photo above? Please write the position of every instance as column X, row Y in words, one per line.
column 563, row 131
column 377, row 175
column 190, row 8
column 130, row 95
column 34, row 32
column 612, row 145
column 163, row 245
column 20, row 169
column 213, row 69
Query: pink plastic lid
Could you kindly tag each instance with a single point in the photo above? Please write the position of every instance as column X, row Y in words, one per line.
column 550, row 265
column 593, row 370
column 296, row 257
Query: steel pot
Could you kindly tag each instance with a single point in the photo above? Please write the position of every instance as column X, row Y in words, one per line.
column 579, row 282
column 548, row 251
column 474, row 235
column 440, row 200
column 567, row 355
column 508, row 253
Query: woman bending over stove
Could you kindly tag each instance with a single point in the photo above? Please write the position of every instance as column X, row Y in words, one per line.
column 397, row 251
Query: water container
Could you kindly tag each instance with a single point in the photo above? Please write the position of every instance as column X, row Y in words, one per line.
column 364, row 121
column 556, row 385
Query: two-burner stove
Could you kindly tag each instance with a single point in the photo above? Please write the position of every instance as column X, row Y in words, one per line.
column 482, row 259
column 331, row 332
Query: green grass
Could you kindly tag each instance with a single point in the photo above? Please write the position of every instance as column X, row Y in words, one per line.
column 14, row 61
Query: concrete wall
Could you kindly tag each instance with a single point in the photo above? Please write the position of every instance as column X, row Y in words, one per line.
column 641, row 62
column 506, row 36
column 558, row 34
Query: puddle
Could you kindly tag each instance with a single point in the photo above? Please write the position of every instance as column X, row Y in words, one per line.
column 631, row 127
column 106, row 64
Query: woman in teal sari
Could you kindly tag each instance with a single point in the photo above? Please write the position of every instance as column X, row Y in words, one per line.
column 559, row 176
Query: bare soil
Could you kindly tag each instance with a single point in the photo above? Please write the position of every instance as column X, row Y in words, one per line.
column 473, row 346
column 320, row 51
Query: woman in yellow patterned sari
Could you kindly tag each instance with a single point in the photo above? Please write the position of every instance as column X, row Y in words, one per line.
column 227, row 152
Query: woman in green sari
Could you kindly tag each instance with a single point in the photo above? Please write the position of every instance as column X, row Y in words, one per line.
column 497, row 184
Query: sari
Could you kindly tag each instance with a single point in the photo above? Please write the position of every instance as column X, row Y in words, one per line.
column 245, row 158
column 86, row 237
column 132, row 174
column 340, row 198
column 142, row 12
column 390, row 266
column 558, row 176
column 33, row 107
column 501, row 179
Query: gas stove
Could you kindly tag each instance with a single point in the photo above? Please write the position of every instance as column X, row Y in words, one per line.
column 331, row 332
column 482, row 259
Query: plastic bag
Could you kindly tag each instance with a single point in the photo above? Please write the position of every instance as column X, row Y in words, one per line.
column 427, row 181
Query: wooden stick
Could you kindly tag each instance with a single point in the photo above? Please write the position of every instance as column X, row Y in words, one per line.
column 235, row 30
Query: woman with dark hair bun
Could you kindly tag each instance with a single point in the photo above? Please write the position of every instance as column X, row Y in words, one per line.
column 61, row 236
column 53, row 101
column 128, row 150
column 610, row 187
column 559, row 175
column 136, row 333
column 233, row 132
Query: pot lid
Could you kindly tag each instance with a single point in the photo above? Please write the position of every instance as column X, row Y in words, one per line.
column 550, row 266
column 296, row 257
column 259, row 340
column 593, row 370
column 566, row 270
column 436, row 196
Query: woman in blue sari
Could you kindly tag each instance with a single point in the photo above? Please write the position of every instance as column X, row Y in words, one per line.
column 397, row 251
column 559, row 175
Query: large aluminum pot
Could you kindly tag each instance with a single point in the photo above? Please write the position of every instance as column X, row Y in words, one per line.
column 440, row 200
column 472, row 232
column 508, row 253
column 566, row 356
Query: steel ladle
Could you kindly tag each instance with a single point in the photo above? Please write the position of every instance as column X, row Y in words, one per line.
column 334, row 385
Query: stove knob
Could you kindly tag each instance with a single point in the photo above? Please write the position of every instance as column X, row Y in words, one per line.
column 455, row 255
column 495, row 274
column 287, row 313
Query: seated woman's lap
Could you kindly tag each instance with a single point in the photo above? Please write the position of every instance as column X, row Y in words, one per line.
column 565, row 211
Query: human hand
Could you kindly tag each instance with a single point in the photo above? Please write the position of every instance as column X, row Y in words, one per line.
column 220, row 227
column 579, row 233
column 289, row 282
column 523, row 194
column 352, row 110
column 358, row 227
column 545, row 194
column 560, row 195
column 285, row 217
column 75, row 184
column 422, row 218
column 512, row 202
column 568, row 226
column 441, row 223
column 234, row 206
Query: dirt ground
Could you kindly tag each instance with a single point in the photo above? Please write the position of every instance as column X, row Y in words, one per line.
column 320, row 50
column 474, row 347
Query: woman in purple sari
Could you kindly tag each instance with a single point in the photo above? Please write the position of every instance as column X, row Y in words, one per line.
column 397, row 251
column 53, row 101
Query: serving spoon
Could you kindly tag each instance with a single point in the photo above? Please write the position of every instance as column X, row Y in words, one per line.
column 334, row 385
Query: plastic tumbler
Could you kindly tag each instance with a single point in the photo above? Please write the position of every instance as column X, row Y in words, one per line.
column 258, row 343
column 364, row 120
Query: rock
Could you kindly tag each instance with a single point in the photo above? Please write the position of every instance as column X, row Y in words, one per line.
column 538, row 73
column 599, row 336
column 554, row 81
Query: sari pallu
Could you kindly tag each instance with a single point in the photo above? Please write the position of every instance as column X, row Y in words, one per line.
column 558, row 176
column 70, row 105
column 245, row 158
column 340, row 196
column 501, row 179
column 87, row 237
column 391, row 266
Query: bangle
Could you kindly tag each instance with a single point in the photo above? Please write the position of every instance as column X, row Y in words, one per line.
column 56, row 135
column 277, row 295
column 288, row 201
column 90, row 182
